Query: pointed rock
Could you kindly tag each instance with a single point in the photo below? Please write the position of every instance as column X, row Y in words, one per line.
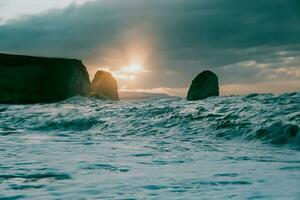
column 105, row 86
column 205, row 85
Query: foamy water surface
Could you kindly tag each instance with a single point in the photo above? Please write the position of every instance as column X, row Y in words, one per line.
column 239, row 147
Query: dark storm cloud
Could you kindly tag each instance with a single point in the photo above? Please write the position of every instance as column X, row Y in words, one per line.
column 242, row 40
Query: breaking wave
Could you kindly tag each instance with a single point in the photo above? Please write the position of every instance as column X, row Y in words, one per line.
column 265, row 118
column 235, row 147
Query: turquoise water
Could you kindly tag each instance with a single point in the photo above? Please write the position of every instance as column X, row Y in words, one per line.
column 239, row 147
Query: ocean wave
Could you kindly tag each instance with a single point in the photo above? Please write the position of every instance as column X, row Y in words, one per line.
column 267, row 118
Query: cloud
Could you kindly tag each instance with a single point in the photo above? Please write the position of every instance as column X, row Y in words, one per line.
column 244, row 42
column 14, row 9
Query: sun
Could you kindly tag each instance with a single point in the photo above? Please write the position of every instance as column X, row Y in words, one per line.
column 132, row 69
column 129, row 72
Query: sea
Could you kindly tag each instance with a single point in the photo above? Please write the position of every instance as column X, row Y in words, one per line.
column 231, row 147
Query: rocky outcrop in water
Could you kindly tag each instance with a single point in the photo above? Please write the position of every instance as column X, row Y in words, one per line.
column 105, row 86
column 205, row 85
column 26, row 79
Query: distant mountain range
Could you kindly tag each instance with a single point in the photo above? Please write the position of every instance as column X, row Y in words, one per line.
column 126, row 95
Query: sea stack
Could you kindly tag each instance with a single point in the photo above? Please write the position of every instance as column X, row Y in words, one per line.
column 27, row 79
column 105, row 86
column 205, row 85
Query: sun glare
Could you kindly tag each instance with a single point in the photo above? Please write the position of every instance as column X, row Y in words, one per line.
column 129, row 72
column 135, row 68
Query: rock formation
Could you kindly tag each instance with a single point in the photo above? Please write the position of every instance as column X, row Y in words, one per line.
column 105, row 86
column 205, row 85
column 26, row 79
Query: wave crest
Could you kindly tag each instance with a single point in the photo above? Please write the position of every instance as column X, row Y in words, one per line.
column 264, row 117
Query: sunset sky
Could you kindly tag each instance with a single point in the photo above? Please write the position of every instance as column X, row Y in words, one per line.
column 161, row 45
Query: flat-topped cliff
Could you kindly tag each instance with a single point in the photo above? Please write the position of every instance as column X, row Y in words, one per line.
column 28, row 79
